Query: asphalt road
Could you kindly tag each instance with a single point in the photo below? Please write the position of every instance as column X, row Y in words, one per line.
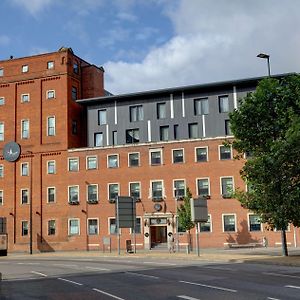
column 144, row 278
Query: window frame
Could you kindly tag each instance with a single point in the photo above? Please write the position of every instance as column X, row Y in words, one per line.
column 140, row 226
column 164, row 133
column 152, row 196
column 109, row 219
column 183, row 156
column 201, row 110
column 1, row 170
column 129, row 160
column 25, row 98
column 197, row 186
column 108, row 162
column 69, row 227
column 51, row 130
column 221, row 106
column 210, row 225
column 226, row 195
column 49, row 167
column 102, row 110
column 175, row 189
column 23, row 131
column 24, row 228
column 50, row 65
column 74, row 93
column 220, row 154
column 139, row 197
column 196, row 156
column 69, row 164
column 100, row 134
column 2, row 101
column 131, row 138
column 134, row 116
column 21, row 196
column 49, row 228
column 249, row 223
column 88, row 194
column 108, row 190
column 48, row 194
column 160, row 150
column 87, row 162
column 88, row 226
column 23, row 164
column 223, row 222
column 1, row 72
column 50, row 94
column 190, row 135
column 70, row 201
column 1, row 197
column 25, row 69
column 159, row 113
column 2, row 131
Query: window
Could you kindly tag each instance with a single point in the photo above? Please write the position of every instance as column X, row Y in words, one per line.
column 92, row 193
column 164, row 133
column 24, row 169
column 92, row 226
column 136, row 113
column 74, row 93
column 1, row 197
column 203, row 187
column 24, row 228
column 113, row 191
column 161, row 110
column 1, row 131
column 113, row 161
column 91, row 162
column 2, row 100
column 25, row 68
column 113, row 226
column 73, row 164
column 24, row 196
column 135, row 190
column 227, row 128
column 50, row 65
column 157, row 190
column 254, row 223
column 73, row 194
column 132, row 136
column 74, row 127
column 51, row 126
column 73, row 227
column 75, row 68
column 223, row 104
column 51, row 194
column 25, row 98
column 1, row 72
column 102, row 117
column 193, row 131
column 51, row 227
column 225, row 152
column 51, row 94
column 226, row 187
column 25, row 129
column 201, row 106
column 206, row 227
column 98, row 139
column 51, row 167
column 178, row 156
column 1, row 171
column 179, row 189
column 114, row 137
column 201, row 154
column 229, row 223
column 176, row 132
column 155, row 157
column 138, row 228
column 133, row 159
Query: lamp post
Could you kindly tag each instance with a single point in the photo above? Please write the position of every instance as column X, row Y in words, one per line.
column 267, row 57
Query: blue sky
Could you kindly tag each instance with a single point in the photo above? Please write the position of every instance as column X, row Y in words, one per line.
column 149, row 44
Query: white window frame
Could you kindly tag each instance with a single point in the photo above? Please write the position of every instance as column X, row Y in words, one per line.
column 235, row 222
column 1, row 72
column 75, row 219
column 48, row 127
column 25, row 68
column 54, row 166
column 78, row 191
column 23, row 96
column 161, row 156
column 99, row 119
column 1, row 171
column 174, row 188
column 23, row 137
column 162, row 186
column 2, row 101
column 28, row 196
column 48, row 188
column 183, row 156
column 141, row 226
column 139, row 158
column 73, row 158
column 50, row 65
column 137, row 117
column 108, row 190
column 22, row 227
column 87, row 227
column 206, row 154
column 108, row 226
column 50, row 92
column 248, row 219
column 1, row 197
column 118, row 161
column 219, row 150
column 2, row 132
column 200, row 178
column 211, row 229
column 233, row 185
column 48, row 227
column 87, row 162
column 21, row 168
column 219, row 104
column 129, row 191
column 87, row 192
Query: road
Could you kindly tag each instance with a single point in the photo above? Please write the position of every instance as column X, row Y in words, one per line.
column 123, row 278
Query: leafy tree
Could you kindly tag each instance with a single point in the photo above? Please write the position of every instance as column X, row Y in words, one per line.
column 267, row 125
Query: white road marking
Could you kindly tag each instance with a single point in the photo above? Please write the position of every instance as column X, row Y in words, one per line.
column 142, row 275
column 108, row 294
column 64, row 265
column 281, row 275
column 292, row 286
column 210, row 286
column 38, row 273
column 270, row 298
column 70, row 281
column 219, row 268
column 158, row 263
column 97, row 269
column 29, row 263
column 187, row 297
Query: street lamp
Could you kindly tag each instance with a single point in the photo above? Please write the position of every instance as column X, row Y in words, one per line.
column 267, row 57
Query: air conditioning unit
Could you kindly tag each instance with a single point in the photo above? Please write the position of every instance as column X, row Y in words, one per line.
column 74, row 202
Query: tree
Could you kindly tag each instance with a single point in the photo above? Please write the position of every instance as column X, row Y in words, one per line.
column 267, row 125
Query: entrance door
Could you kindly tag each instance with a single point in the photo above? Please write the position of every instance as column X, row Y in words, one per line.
column 158, row 234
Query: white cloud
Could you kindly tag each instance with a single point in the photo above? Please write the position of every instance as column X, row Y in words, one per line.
column 4, row 40
column 33, row 6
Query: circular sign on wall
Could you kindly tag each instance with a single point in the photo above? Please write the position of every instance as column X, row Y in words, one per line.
column 11, row 151
column 157, row 207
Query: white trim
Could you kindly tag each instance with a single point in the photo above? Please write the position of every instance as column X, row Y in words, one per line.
column 78, row 191
column 142, row 227
column 211, row 229
column 21, row 167
column 28, row 196
column 248, row 219
column 128, row 155
column 183, row 155
column 149, row 130
column 130, row 182
column 47, row 126
column 161, row 156
column 47, row 166
column 108, row 226
column 235, row 223
column 2, row 192
column 118, row 160
column 183, row 104
column 235, row 104
column 219, row 150
column 173, row 186
column 77, row 158
column 221, row 177
column 87, row 191
column 2, row 132
column 86, row 161
column 110, row 183
column 69, row 219
column 25, row 138
column 199, row 178
column 48, row 220
column 162, row 187
column 50, row 91
column 87, row 228
column 206, row 154
column 107, row 134
column 2, row 172
column 23, row 95
column 51, row 187
column 172, row 106
column 116, row 113
column 203, row 126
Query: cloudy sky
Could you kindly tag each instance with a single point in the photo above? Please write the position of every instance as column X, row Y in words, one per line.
column 149, row 44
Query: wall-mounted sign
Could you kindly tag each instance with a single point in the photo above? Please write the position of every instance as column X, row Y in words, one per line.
column 157, row 207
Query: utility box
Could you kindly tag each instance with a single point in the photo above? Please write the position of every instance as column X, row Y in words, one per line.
column 199, row 212
column 3, row 244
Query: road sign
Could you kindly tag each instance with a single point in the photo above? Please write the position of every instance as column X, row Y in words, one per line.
column 125, row 212
column 199, row 211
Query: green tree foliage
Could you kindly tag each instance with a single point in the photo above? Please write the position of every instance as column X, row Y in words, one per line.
column 184, row 212
column 267, row 125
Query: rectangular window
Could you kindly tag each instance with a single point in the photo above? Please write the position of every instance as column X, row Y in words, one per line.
column 201, row 106
column 227, row 128
column 51, row 94
column 74, row 93
column 25, row 129
column 114, row 137
column 51, row 167
column 50, row 65
column 203, row 187
column 2, row 100
column 227, row 187
column 102, row 117
column 178, row 156
column 24, row 169
column 51, row 194
column 176, row 136
column 75, row 68
column 136, row 113
column 1, row 197
column 254, row 223
column 1, row 131
column 24, row 228
column 193, row 131
column 179, row 189
column 157, row 190
column 164, row 133
column 73, row 164
column 92, row 193
column 113, row 161
column 24, row 196
column 229, row 223
column 25, row 68
column 91, row 162
column 132, row 136
column 138, row 227
column 223, row 104
column 51, row 126
column 133, row 159
column 1, row 171
column 113, row 226
column 73, row 194
column 225, row 152
column 113, row 191
column 51, row 227
column 135, row 190
column 98, row 139
column 206, row 227
column 25, row 98
column 73, row 227
column 74, row 127
column 161, row 110
column 201, row 154
column 155, row 157
column 93, row 228
column 1, row 72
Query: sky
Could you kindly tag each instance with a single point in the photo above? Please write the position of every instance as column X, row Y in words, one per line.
column 152, row 44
